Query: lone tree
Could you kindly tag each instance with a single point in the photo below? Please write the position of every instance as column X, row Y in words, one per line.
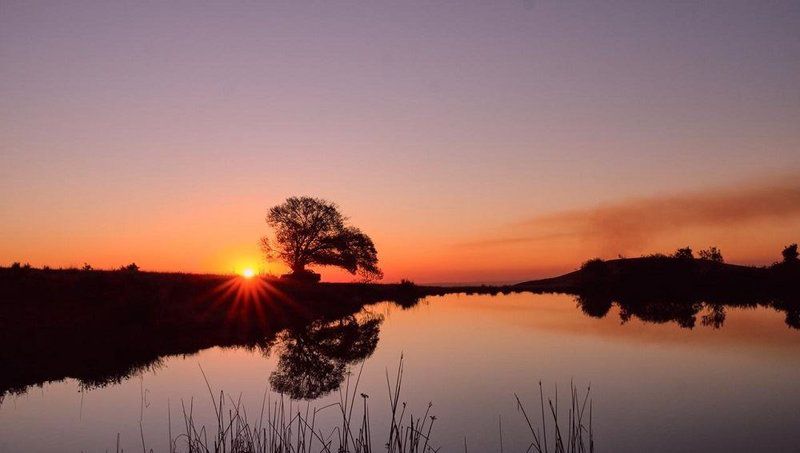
column 790, row 254
column 311, row 231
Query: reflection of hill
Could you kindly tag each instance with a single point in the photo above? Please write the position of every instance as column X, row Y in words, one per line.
column 683, row 308
column 664, row 289
column 101, row 327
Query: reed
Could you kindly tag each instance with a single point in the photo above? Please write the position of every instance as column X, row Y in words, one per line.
column 285, row 426
column 573, row 435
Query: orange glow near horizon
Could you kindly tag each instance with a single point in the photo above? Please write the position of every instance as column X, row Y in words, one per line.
column 248, row 273
column 751, row 223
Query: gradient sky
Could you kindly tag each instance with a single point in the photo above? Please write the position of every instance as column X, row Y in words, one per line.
column 472, row 140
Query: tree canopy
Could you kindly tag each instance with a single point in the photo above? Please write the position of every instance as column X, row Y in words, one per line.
column 311, row 231
column 684, row 253
column 712, row 254
column 790, row 254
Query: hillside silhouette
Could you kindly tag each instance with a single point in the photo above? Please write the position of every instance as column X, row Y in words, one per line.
column 671, row 275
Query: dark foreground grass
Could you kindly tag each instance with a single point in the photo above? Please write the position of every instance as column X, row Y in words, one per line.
column 284, row 426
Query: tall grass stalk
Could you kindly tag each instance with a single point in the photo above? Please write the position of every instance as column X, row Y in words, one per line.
column 575, row 435
column 285, row 426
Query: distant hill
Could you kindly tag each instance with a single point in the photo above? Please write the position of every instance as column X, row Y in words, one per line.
column 665, row 274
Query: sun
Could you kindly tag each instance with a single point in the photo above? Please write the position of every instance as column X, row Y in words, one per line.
column 248, row 273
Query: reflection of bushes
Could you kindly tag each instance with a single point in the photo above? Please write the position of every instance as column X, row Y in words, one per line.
column 683, row 309
column 680, row 312
column 793, row 318
column 715, row 316
column 595, row 305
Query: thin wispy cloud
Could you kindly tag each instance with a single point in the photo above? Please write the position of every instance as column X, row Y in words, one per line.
column 513, row 240
column 631, row 224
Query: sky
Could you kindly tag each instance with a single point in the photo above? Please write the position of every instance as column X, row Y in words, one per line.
column 473, row 141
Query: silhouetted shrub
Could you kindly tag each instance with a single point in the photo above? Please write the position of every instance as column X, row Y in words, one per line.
column 304, row 275
column 130, row 268
column 790, row 254
column 684, row 253
column 15, row 265
column 595, row 272
column 712, row 254
column 594, row 264
column 88, row 267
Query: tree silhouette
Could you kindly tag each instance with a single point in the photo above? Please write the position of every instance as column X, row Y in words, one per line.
column 712, row 254
column 311, row 231
column 684, row 253
column 595, row 272
column 790, row 254
column 129, row 268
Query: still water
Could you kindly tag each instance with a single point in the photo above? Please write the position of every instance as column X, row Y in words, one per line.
column 659, row 382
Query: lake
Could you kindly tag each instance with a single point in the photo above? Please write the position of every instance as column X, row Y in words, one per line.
column 663, row 378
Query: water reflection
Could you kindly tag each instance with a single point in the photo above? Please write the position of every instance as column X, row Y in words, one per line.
column 681, row 309
column 315, row 335
column 313, row 360
column 104, row 329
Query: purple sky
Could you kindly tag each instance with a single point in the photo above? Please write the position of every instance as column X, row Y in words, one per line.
column 161, row 131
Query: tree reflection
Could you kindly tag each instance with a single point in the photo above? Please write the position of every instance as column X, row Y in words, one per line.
column 682, row 309
column 660, row 312
column 715, row 316
column 314, row 359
